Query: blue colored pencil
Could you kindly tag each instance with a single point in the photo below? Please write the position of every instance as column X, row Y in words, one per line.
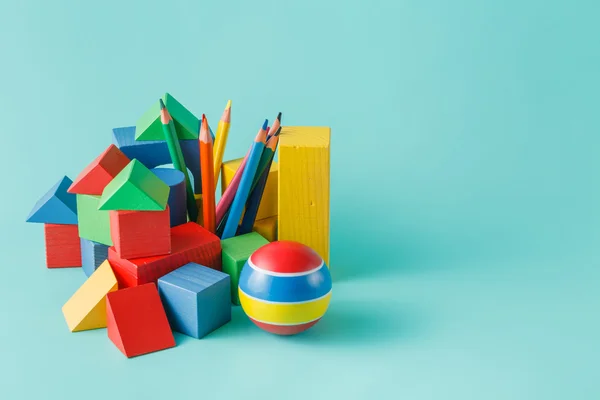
column 237, row 207
column 256, row 193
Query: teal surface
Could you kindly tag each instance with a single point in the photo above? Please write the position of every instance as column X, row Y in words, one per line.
column 464, row 190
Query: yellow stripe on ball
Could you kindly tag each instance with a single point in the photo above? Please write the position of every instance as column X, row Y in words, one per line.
column 284, row 313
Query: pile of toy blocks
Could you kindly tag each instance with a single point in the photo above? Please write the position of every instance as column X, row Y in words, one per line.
column 149, row 270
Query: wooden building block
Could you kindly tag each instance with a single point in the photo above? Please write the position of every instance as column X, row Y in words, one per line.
column 236, row 251
column 135, row 188
column 62, row 246
column 267, row 228
column 268, row 203
column 198, row 198
column 100, row 172
column 136, row 321
column 197, row 299
column 177, row 200
column 155, row 153
column 86, row 309
column 93, row 254
column 304, row 187
column 189, row 243
column 138, row 234
column 149, row 126
column 94, row 224
column 57, row 206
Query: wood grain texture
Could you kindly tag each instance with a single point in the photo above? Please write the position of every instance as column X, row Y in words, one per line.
column 267, row 228
column 136, row 321
column 189, row 243
column 138, row 234
column 93, row 254
column 100, row 172
column 63, row 249
column 197, row 299
column 304, row 159
column 86, row 309
column 94, row 224
column 268, row 203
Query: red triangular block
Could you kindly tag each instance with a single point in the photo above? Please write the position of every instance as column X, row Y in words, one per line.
column 100, row 172
column 136, row 321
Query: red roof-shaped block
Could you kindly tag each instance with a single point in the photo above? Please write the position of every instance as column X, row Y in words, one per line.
column 100, row 172
column 136, row 321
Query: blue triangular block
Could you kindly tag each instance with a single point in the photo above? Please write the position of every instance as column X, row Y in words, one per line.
column 57, row 206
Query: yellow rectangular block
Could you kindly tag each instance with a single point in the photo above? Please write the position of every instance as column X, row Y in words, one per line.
column 86, row 309
column 268, row 202
column 303, row 214
column 267, row 228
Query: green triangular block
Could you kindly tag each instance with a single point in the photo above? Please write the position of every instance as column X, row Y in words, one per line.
column 135, row 188
column 149, row 126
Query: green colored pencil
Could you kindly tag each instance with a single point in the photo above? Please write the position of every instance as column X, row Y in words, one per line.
column 177, row 158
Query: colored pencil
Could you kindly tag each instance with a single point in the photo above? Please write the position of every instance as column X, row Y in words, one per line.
column 208, row 186
column 243, row 190
column 275, row 126
column 229, row 194
column 177, row 158
column 256, row 194
column 221, row 140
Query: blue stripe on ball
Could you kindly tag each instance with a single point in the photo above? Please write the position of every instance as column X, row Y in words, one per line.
column 285, row 289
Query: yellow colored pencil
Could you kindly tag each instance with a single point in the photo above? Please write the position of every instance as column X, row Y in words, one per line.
column 221, row 140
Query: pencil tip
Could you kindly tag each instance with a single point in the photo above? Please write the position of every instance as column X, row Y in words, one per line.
column 228, row 104
column 162, row 104
column 264, row 127
column 279, row 117
column 278, row 131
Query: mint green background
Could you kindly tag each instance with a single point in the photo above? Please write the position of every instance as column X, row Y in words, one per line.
column 464, row 190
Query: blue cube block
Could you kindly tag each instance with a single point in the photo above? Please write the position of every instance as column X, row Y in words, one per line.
column 197, row 299
column 154, row 153
column 92, row 255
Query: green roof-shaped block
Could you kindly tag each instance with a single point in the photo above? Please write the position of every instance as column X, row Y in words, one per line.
column 149, row 126
column 135, row 188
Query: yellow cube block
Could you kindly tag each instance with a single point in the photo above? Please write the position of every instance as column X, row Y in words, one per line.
column 267, row 228
column 268, row 203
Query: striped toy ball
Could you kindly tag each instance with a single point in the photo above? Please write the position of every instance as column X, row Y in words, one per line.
column 285, row 287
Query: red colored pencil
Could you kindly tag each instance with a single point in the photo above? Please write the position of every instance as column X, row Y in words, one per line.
column 208, row 178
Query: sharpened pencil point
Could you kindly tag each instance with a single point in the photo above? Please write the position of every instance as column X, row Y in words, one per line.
column 278, row 132
column 228, row 104
column 264, row 127
column 162, row 104
column 279, row 117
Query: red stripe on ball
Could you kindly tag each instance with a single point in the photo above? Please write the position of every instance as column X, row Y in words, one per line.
column 286, row 257
column 284, row 330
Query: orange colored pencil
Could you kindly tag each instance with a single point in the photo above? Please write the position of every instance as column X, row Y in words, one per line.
column 208, row 178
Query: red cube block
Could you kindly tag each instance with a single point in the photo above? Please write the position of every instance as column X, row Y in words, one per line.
column 63, row 248
column 138, row 234
column 136, row 321
column 189, row 243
